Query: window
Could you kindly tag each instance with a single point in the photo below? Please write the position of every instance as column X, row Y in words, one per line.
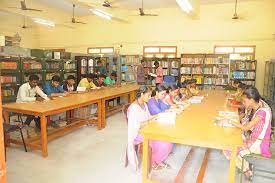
column 101, row 50
column 237, row 51
column 160, row 51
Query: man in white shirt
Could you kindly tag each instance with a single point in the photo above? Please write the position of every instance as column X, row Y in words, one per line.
column 30, row 92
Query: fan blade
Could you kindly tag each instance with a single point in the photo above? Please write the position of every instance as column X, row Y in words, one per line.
column 15, row 8
column 30, row 9
column 80, row 22
column 153, row 15
column 67, row 26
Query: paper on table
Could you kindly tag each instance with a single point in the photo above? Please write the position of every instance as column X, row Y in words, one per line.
column 153, row 75
column 228, row 114
column 81, row 89
column 166, row 118
column 224, row 122
column 195, row 99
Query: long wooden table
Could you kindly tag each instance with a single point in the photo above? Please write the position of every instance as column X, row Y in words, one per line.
column 62, row 104
column 195, row 127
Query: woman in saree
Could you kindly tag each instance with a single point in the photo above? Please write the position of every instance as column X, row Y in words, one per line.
column 138, row 116
column 259, row 128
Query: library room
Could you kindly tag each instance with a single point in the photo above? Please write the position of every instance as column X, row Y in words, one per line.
column 137, row 91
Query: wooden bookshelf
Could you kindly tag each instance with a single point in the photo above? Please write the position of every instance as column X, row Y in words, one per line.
column 244, row 70
column 129, row 64
column 210, row 70
column 10, row 78
column 269, row 81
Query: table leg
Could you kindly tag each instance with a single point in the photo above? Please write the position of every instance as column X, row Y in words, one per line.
column 145, row 160
column 6, row 116
column 103, row 112
column 232, row 167
column 99, row 115
column 44, row 140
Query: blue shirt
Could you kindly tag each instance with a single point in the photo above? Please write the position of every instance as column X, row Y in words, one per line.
column 49, row 89
column 163, row 106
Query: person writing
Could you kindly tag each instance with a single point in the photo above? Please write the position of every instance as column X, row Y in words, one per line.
column 87, row 82
column 53, row 87
column 99, row 81
column 69, row 84
column 30, row 92
column 111, row 80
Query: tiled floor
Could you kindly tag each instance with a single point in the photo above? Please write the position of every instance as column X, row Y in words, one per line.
column 91, row 156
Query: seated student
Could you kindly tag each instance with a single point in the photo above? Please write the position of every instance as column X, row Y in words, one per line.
column 88, row 81
column 99, row 81
column 183, row 89
column 172, row 92
column 237, row 97
column 258, row 141
column 111, row 80
column 236, row 83
column 53, row 87
column 100, row 69
column 69, row 84
column 155, row 104
column 138, row 116
column 193, row 87
column 27, row 93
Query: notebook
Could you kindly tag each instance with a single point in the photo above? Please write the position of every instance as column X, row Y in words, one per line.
column 167, row 118
column 81, row 89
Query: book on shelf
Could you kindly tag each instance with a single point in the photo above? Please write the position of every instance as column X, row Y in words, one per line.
column 209, row 70
column 69, row 65
column 26, row 77
column 174, row 72
column 67, row 74
column 221, row 81
column 223, row 70
column 209, row 81
column 192, row 60
column 185, row 70
column 32, row 65
column 83, row 62
column 175, row 64
column 7, row 92
column 131, row 60
column 243, row 75
column 8, row 79
column 216, row 60
column 53, row 65
column 239, row 65
column 9, row 65
column 197, row 70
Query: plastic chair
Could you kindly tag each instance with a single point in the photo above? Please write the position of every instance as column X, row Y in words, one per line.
column 169, row 80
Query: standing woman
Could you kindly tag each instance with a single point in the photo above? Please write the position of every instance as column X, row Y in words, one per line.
column 138, row 116
column 159, row 73
column 259, row 129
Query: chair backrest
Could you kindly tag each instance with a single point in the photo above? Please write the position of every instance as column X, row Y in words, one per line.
column 125, row 109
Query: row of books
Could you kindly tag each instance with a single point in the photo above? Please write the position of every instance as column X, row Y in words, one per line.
column 208, row 80
column 217, row 60
column 237, row 65
column 221, row 81
column 127, row 77
column 26, row 77
column 244, row 75
column 8, row 79
column 54, row 65
column 249, row 82
column 192, row 60
column 32, row 65
column 130, row 60
column 8, row 92
column 69, row 66
column 199, row 79
column 9, row 65
column 175, row 64
column 185, row 70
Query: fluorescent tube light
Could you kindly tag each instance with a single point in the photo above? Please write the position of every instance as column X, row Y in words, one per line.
column 44, row 22
column 185, row 5
column 102, row 14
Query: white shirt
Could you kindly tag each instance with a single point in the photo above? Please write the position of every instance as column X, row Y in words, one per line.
column 27, row 94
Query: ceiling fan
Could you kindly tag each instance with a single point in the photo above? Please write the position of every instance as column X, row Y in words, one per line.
column 73, row 18
column 235, row 16
column 24, row 7
column 141, row 11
